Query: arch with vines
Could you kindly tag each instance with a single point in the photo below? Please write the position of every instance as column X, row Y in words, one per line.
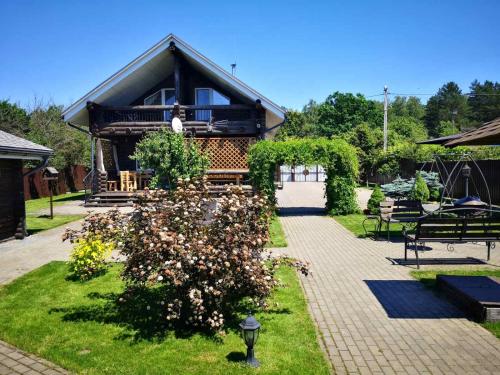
column 337, row 157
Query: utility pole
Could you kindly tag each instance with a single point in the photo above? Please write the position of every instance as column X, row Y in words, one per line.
column 385, row 118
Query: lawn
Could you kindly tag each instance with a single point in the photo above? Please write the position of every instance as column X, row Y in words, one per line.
column 36, row 223
column 354, row 223
column 276, row 233
column 79, row 326
column 35, row 205
column 428, row 278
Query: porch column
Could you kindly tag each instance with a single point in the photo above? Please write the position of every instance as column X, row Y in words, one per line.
column 99, row 156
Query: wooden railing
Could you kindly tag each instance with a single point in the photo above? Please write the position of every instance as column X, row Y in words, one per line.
column 232, row 119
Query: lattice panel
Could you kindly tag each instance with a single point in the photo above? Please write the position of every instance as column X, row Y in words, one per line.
column 226, row 153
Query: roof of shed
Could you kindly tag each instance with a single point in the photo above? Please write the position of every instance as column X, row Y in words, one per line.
column 14, row 145
column 488, row 134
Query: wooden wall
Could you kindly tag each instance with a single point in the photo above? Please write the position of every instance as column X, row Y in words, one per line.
column 12, row 211
column 70, row 179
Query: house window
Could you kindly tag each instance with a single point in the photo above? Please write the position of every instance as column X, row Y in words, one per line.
column 208, row 96
column 162, row 97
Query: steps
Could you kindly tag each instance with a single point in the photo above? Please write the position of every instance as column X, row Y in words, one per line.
column 112, row 198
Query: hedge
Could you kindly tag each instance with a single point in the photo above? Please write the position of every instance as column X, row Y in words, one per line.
column 337, row 157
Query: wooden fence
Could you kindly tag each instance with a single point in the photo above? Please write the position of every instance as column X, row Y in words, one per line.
column 70, row 179
column 490, row 169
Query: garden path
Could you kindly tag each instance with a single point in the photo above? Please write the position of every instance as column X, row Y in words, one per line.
column 373, row 316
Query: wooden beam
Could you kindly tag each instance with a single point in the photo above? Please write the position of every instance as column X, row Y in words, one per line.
column 177, row 77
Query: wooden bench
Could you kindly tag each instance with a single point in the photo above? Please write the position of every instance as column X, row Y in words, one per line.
column 399, row 211
column 481, row 225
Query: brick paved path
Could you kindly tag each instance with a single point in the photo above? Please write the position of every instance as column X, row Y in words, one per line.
column 15, row 361
column 374, row 318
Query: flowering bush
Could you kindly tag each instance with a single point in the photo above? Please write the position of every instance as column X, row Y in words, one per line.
column 89, row 256
column 206, row 254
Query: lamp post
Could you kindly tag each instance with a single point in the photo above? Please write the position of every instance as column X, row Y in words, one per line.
column 466, row 172
column 250, row 331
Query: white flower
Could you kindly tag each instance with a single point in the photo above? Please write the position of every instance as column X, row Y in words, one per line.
column 178, row 265
column 160, row 278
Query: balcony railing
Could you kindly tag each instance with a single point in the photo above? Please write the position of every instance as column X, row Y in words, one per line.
column 217, row 119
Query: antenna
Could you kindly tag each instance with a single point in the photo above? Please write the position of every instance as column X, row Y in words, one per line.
column 233, row 68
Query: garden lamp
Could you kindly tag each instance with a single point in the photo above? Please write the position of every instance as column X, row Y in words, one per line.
column 250, row 331
column 466, row 172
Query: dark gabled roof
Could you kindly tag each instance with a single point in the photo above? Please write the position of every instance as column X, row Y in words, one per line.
column 14, row 145
column 147, row 69
column 440, row 140
column 488, row 134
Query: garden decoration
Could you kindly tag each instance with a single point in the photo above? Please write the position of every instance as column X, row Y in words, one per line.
column 337, row 157
column 200, row 260
column 250, row 328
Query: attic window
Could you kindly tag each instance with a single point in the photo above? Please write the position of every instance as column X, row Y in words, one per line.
column 208, row 96
column 162, row 97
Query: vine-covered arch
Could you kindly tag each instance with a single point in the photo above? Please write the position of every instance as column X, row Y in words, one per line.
column 337, row 157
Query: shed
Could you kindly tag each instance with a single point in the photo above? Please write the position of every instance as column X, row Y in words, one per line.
column 13, row 151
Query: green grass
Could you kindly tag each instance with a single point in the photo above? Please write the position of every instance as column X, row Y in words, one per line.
column 354, row 223
column 35, row 224
column 276, row 233
column 35, row 205
column 78, row 326
column 428, row 278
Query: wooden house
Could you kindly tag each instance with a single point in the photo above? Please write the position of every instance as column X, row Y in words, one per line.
column 169, row 80
column 13, row 151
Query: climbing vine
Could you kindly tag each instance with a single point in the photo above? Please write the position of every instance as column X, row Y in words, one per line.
column 335, row 155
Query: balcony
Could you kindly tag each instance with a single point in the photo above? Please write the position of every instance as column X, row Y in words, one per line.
column 233, row 119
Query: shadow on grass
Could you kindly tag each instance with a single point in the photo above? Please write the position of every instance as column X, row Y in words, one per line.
column 139, row 311
column 236, row 357
column 79, row 197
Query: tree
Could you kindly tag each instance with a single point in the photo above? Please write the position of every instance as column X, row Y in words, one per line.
column 407, row 107
column 446, row 128
column 46, row 127
column 373, row 204
column 408, row 127
column 171, row 156
column 294, row 126
column 484, row 101
column 420, row 191
column 368, row 142
column 13, row 119
column 341, row 112
column 449, row 104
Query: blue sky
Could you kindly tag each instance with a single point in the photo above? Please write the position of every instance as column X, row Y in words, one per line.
column 291, row 51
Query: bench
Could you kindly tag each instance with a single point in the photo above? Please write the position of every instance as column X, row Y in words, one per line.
column 399, row 211
column 481, row 225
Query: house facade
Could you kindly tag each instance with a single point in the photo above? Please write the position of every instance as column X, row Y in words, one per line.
column 171, row 79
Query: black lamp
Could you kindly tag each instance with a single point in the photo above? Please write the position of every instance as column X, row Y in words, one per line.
column 250, row 331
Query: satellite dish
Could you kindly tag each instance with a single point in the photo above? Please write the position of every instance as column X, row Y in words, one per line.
column 176, row 125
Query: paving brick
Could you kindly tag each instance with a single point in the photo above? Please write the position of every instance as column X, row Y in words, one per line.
column 367, row 306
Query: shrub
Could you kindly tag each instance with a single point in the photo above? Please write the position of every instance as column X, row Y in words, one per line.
column 203, row 261
column 172, row 156
column 88, row 257
column 420, row 190
column 375, row 199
